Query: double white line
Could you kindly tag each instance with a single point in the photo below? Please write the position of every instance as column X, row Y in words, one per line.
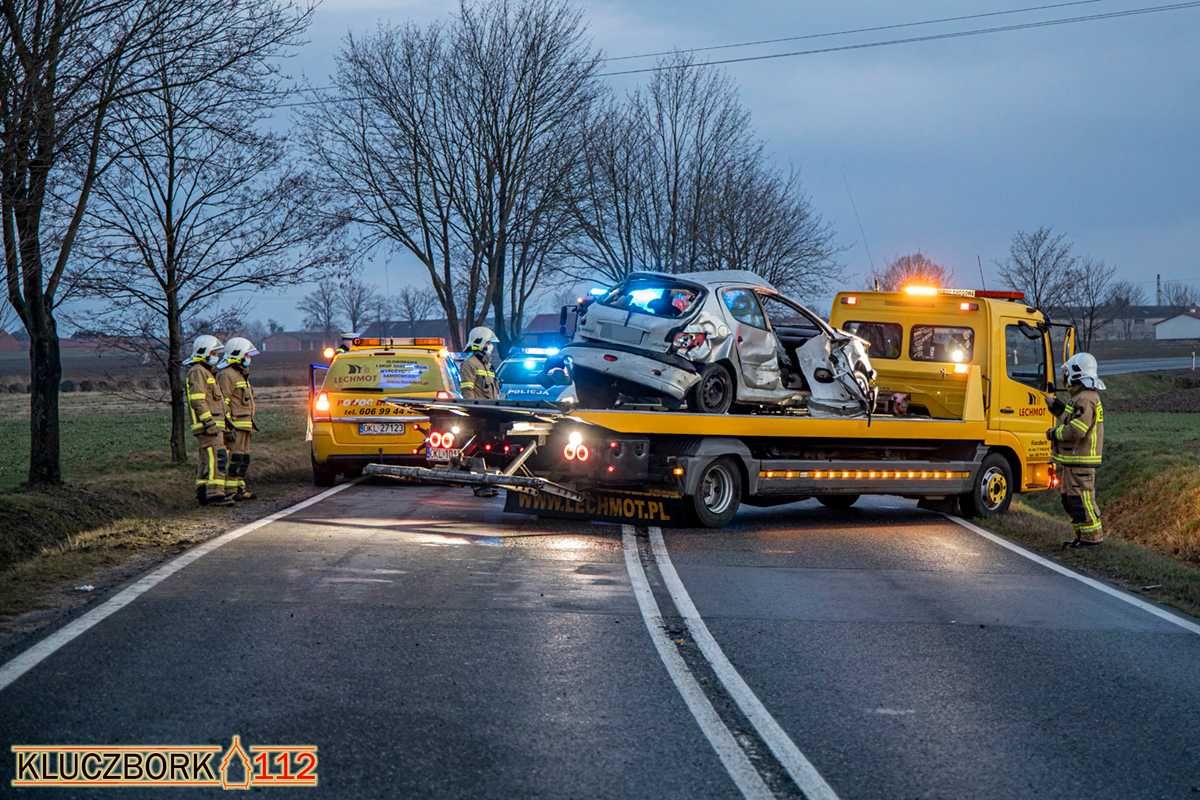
column 732, row 756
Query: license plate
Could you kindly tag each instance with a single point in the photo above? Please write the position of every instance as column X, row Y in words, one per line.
column 380, row 428
column 442, row 453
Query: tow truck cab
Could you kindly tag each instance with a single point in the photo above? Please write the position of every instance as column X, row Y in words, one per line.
column 350, row 423
column 923, row 340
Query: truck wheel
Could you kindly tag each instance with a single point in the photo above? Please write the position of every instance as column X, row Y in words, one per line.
column 718, row 494
column 840, row 502
column 992, row 490
column 323, row 474
column 713, row 393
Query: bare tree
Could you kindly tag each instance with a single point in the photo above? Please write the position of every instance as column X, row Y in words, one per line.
column 447, row 141
column 761, row 221
column 415, row 304
column 1178, row 293
column 320, row 308
column 354, row 300
column 66, row 70
column 672, row 178
column 1041, row 265
column 1122, row 298
column 912, row 268
column 1090, row 299
column 200, row 205
column 8, row 317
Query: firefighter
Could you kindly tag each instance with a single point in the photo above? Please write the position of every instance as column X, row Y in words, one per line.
column 1078, row 443
column 478, row 379
column 207, row 408
column 233, row 377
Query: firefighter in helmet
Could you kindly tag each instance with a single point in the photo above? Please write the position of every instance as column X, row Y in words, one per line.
column 207, row 407
column 233, row 377
column 478, row 378
column 1078, row 444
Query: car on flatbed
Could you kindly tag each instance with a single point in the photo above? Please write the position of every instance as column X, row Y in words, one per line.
column 714, row 341
column 350, row 423
column 960, row 427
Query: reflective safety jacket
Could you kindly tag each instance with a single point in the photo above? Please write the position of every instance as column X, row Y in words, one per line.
column 1079, row 437
column 478, row 379
column 204, row 398
column 239, row 396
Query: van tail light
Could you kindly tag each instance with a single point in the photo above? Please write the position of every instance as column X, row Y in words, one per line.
column 685, row 341
column 443, row 395
column 321, row 406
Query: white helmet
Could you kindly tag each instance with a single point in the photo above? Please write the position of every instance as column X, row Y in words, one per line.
column 1083, row 370
column 481, row 338
column 207, row 349
column 238, row 350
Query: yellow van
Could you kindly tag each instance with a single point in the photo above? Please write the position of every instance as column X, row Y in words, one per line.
column 350, row 422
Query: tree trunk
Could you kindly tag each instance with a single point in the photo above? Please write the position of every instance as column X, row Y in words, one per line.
column 179, row 413
column 45, row 375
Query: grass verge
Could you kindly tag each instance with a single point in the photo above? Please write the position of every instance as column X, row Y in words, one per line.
column 1148, row 491
column 125, row 505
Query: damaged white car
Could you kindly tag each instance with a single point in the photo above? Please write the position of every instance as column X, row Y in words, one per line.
column 713, row 341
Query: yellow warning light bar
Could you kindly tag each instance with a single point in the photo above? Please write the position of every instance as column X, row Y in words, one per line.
column 864, row 474
column 432, row 342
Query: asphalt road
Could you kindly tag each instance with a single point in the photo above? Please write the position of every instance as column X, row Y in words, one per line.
column 1122, row 366
column 432, row 646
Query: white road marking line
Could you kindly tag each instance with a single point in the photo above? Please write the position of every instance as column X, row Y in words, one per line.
column 30, row 658
column 801, row 770
column 1124, row 597
column 733, row 758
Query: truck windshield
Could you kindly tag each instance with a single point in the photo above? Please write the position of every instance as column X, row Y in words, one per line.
column 402, row 374
column 653, row 297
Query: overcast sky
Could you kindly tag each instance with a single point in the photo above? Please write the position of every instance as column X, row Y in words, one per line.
column 947, row 147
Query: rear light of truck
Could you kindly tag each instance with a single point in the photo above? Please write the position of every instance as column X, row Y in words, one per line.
column 575, row 449
column 443, row 395
column 438, row 439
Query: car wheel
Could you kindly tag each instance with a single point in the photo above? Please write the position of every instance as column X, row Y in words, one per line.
column 714, row 392
column 718, row 494
column 991, row 491
column 323, row 474
column 839, row 502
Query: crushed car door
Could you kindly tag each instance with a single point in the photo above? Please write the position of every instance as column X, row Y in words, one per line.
column 757, row 347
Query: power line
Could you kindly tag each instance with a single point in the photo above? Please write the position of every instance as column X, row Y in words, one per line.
column 848, row 31
column 826, row 35
column 859, row 45
column 915, row 39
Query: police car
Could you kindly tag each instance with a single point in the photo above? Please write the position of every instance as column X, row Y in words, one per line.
column 537, row 374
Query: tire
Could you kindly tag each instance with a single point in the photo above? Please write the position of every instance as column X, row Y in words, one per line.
column 718, row 494
column 323, row 474
column 992, row 491
column 714, row 392
column 838, row 502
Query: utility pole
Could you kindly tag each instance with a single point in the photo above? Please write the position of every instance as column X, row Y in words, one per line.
column 1158, row 289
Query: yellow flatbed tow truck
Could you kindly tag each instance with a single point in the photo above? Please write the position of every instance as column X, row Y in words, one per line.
column 962, row 379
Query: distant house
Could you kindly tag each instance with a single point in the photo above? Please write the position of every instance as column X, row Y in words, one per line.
column 425, row 328
column 299, row 342
column 9, row 343
column 1130, row 322
column 1184, row 325
column 543, row 331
